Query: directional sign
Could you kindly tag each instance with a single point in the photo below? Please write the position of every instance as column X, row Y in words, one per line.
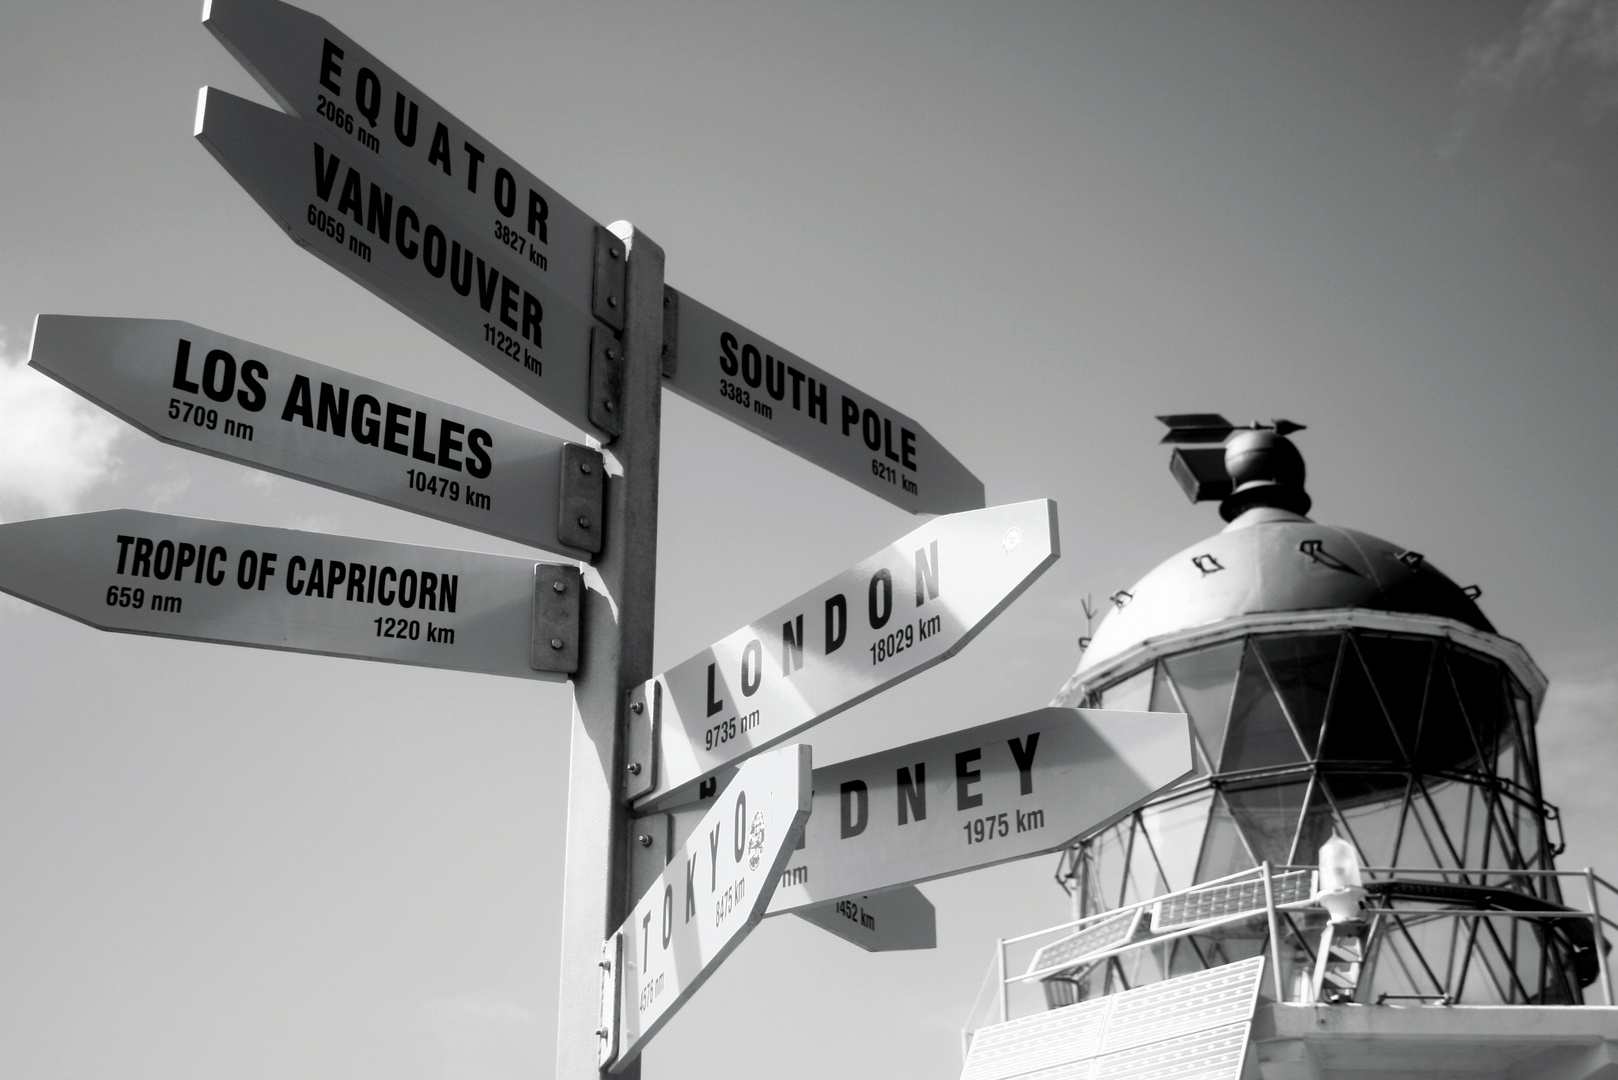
column 142, row 573
column 363, row 217
column 369, row 113
column 236, row 400
column 726, row 367
column 1006, row 790
column 893, row 921
column 713, row 892
column 911, row 605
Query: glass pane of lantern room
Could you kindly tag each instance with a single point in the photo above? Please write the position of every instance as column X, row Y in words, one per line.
column 1173, row 831
column 1356, row 728
column 1259, row 735
column 1301, row 666
column 1372, row 808
column 1398, row 667
column 1268, row 817
column 1133, row 694
column 1204, row 680
column 1223, row 851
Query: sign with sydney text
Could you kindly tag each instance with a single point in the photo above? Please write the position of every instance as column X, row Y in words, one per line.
column 712, row 893
column 359, row 215
column 180, row 577
column 1006, row 790
column 744, row 377
column 230, row 398
column 913, row 604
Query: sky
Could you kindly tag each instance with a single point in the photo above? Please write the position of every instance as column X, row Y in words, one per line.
column 1032, row 227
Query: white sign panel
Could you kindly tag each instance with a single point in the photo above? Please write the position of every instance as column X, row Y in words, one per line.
column 1017, row 787
column 893, row 921
column 358, row 214
column 142, row 573
column 230, row 398
column 727, row 368
column 369, row 113
column 913, row 604
column 712, row 892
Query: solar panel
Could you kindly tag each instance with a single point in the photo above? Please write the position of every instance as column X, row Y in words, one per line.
column 1017, row 1047
column 1204, row 1055
column 1174, row 1007
column 1097, row 937
column 1220, row 901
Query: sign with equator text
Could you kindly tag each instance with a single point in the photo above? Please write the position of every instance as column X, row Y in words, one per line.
column 233, row 399
column 373, row 223
column 142, row 573
column 913, row 604
column 742, row 376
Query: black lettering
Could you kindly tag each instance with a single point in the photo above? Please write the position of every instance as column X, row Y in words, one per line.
column 142, row 566
column 727, row 349
column 216, row 555
column 123, row 550
column 836, row 623
column 356, row 583
column 797, row 387
column 352, row 200
column 508, row 303
column 187, row 557
column 325, row 172
column 855, row 808
column 690, row 888
column 449, row 444
column 407, row 248
column 252, row 395
column 460, row 269
column 407, row 588
column 294, row 565
column 1023, row 755
column 429, row 591
column 887, row 441
column 449, row 587
column 907, row 448
column 752, row 658
column 182, row 357
column 367, row 428
column 715, row 703
column 752, row 366
column 336, row 574
column 538, row 211
column 817, row 400
column 926, row 574
column 418, row 441
column 333, row 409
column 317, row 578
column 266, row 568
column 505, row 192
column 487, row 283
column 879, row 600
column 379, row 213
column 792, row 646
column 477, row 442
column 219, row 367
column 405, row 131
column 329, row 55
column 396, row 425
column 368, row 95
column 775, row 378
column 434, row 248
column 385, row 598
column 163, row 560
column 438, row 153
column 532, row 315
column 912, row 794
column 739, row 824
column 474, row 158
column 965, row 778
column 871, row 429
column 300, row 402
column 246, row 569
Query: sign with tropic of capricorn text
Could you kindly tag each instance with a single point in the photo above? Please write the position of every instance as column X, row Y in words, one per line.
column 711, row 894
column 989, row 794
column 729, row 369
column 911, row 605
column 142, row 573
column 230, row 398
column 357, row 214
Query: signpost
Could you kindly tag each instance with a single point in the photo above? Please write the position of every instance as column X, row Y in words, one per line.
column 913, row 604
column 142, row 573
column 893, row 921
column 989, row 794
column 230, row 398
column 711, row 894
column 377, row 225
column 725, row 367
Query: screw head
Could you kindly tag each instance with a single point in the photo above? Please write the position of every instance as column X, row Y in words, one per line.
column 637, row 707
column 584, row 522
column 607, row 404
column 605, row 964
column 558, row 586
column 584, row 467
column 612, row 301
column 556, row 643
column 616, row 253
column 645, row 840
column 634, row 768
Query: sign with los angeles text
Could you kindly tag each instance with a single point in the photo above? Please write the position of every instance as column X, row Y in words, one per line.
column 913, row 604
column 141, row 573
column 243, row 402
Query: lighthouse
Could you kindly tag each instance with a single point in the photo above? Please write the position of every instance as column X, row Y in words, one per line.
column 1366, row 842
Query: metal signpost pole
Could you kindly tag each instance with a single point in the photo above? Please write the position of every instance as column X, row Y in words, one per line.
column 617, row 656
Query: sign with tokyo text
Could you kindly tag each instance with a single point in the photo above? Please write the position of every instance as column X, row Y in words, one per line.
column 1006, row 790
column 356, row 213
column 142, row 573
column 913, row 604
column 727, row 368
column 711, row 894
column 230, row 398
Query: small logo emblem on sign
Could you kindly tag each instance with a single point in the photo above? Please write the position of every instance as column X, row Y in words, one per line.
column 1012, row 539
column 755, row 841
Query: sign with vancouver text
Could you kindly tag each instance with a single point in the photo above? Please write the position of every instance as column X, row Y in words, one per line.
column 360, row 216
column 989, row 794
column 230, row 398
column 748, row 379
column 713, row 891
column 142, row 573
column 913, row 604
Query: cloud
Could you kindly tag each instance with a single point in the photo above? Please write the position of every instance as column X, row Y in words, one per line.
column 1559, row 42
column 485, row 1038
column 54, row 445
column 1578, row 745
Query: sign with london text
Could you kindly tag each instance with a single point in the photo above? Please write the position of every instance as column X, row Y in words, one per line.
column 750, row 380
column 913, row 604
column 989, row 794
column 710, row 895
column 233, row 399
column 359, row 215
column 143, row 573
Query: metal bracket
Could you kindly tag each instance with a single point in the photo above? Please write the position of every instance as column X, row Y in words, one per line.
column 651, row 846
column 606, row 381
column 612, row 966
column 643, row 717
column 553, row 641
column 584, row 485
column 671, row 332
column 607, row 287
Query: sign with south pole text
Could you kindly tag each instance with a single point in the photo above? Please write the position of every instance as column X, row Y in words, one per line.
column 359, row 215
column 143, row 573
column 711, row 894
column 750, row 380
column 230, row 398
column 913, row 604
column 989, row 794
